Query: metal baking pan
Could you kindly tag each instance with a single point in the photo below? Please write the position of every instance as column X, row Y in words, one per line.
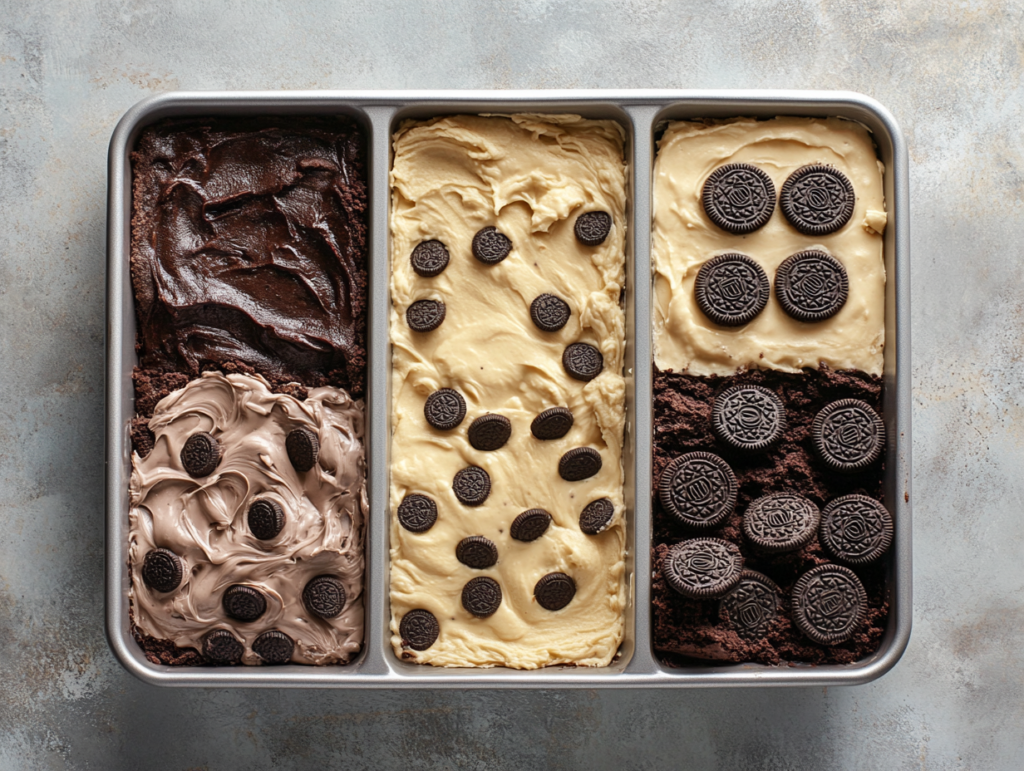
column 639, row 112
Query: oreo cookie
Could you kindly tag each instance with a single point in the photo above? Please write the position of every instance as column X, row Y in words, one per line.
column 752, row 607
column 324, row 596
column 549, row 313
column 417, row 513
column 489, row 432
column 491, row 246
column 848, row 435
column 265, row 518
column 425, row 315
column 817, row 199
column 596, row 516
column 200, row 455
column 698, row 489
column 748, row 418
column 738, row 198
column 476, row 552
column 554, row 591
column 828, row 604
column 222, row 647
column 811, row 285
column 702, row 568
column 856, row 529
column 731, row 289
column 244, row 603
column 593, row 227
column 579, row 463
column 553, row 423
column 430, row 258
column 274, row 647
column 419, row 629
column 530, row 525
column 481, row 596
column 582, row 361
column 472, row 485
column 780, row 522
column 445, row 409
column 162, row 570
column 303, row 448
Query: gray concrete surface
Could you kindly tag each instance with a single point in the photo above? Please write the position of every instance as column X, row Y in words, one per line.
column 955, row 80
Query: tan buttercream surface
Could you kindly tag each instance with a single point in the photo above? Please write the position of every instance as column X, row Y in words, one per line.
column 530, row 177
column 204, row 520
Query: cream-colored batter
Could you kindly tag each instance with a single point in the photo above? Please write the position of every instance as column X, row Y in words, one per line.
column 204, row 522
column 531, row 177
column 684, row 238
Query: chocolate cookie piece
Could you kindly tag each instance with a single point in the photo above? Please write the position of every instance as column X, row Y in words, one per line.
column 324, row 596
column 738, row 198
column 856, row 529
column 481, row 596
column 162, row 570
column 445, row 409
column 476, row 552
column 425, row 315
column 554, row 591
column 303, row 448
column 811, row 285
column 748, row 418
column 848, row 435
column 530, row 525
column 593, row 227
column 596, row 516
column 553, row 423
column 417, row 513
column 698, row 489
column 274, row 647
column 702, row 568
column 780, row 522
column 200, row 455
column 244, row 603
column 221, row 647
column 429, row 258
column 491, row 246
column 266, row 518
column 419, row 629
column 582, row 361
column 472, row 485
column 731, row 289
column 549, row 313
column 489, row 432
column 817, row 199
column 828, row 604
column 752, row 607
column 579, row 463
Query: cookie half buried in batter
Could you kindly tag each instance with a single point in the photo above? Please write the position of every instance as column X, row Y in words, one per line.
column 731, row 289
column 419, row 629
column 477, row 552
column 579, row 463
column 817, row 199
column 811, row 285
column 200, row 455
column 702, row 568
column 489, row 432
column 222, row 647
column 530, row 525
column 698, row 489
column 553, row 423
column 596, row 516
column 829, row 604
column 738, row 198
column 244, row 603
column 445, row 409
column 748, row 418
column 425, row 315
column 593, row 227
column 265, row 518
column 549, row 313
column 848, row 435
column 274, row 647
column 472, row 485
column 752, row 607
column 481, row 596
column 430, row 258
column 417, row 513
column 162, row 570
column 554, row 591
column 490, row 246
column 856, row 529
column 303, row 448
column 780, row 522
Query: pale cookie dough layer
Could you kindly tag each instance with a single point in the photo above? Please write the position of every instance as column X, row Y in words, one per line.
column 531, row 177
column 684, row 238
column 204, row 520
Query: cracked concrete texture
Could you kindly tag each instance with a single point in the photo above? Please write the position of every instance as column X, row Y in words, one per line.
column 955, row 81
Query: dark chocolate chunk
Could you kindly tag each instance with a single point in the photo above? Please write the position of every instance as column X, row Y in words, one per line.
column 731, row 289
column 200, row 455
column 303, row 448
column 748, row 418
column 702, row 568
column 856, row 529
column 780, row 522
column 425, row 315
column 472, row 485
column 324, row 596
column 829, row 604
column 698, row 489
column 445, row 409
column 554, row 591
column 481, row 596
column 530, row 525
column 490, row 246
column 596, row 516
column 430, row 258
column 553, row 423
column 476, row 552
column 817, row 199
column 222, row 647
column 848, row 435
column 419, row 629
column 266, row 518
column 274, row 647
column 582, row 361
column 417, row 513
column 244, row 602
column 489, row 432
column 549, row 313
column 811, row 285
column 752, row 608
column 593, row 227
column 739, row 198
column 162, row 570
column 579, row 463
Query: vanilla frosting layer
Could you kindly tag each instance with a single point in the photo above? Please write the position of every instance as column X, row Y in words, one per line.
column 531, row 177
column 204, row 521
column 684, row 238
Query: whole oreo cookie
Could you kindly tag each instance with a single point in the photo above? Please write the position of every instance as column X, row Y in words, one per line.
column 162, row 570
column 848, row 435
column 476, row 552
column 445, row 409
column 554, row 591
column 752, row 606
column 702, row 568
column 530, row 525
column 582, row 361
column 817, row 199
column 481, row 596
column 430, row 258
column 731, row 289
column 274, row 647
column 856, row 529
column 579, row 463
column 490, row 246
column 553, row 423
column 593, row 227
column 425, row 315
column 549, row 313
column 739, row 198
column 780, row 522
column 244, row 603
column 303, row 448
column 596, row 516
column 489, row 432
column 828, row 604
column 417, row 513
column 200, row 455
column 748, row 418
column 419, row 629
column 324, row 596
column 222, row 647
column 472, row 485
column 811, row 285
column 698, row 489
column 265, row 518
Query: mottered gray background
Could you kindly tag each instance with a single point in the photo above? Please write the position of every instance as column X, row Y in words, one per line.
column 953, row 75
